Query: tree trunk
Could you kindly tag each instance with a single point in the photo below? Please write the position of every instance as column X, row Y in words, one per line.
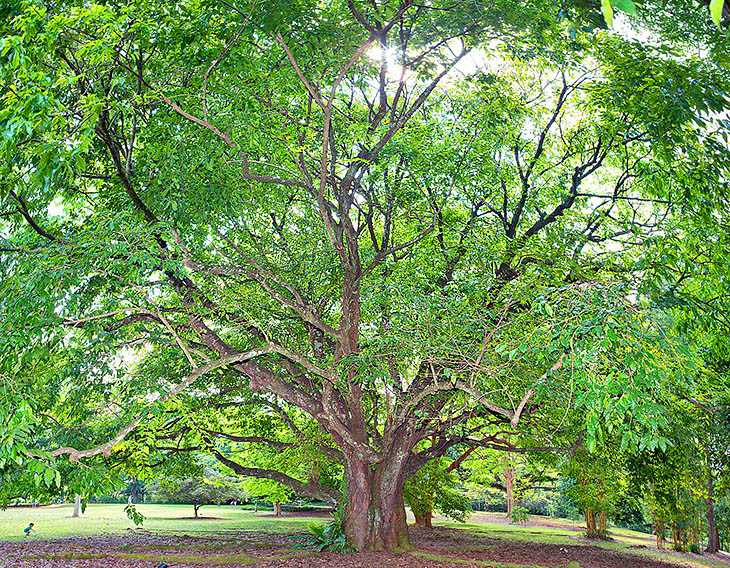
column 375, row 515
column 196, row 506
column 77, row 506
column 509, row 487
column 591, row 531
column 602, row 532
column 277, row 509
column 659, row 531
column 423, row 519
column 713, row 538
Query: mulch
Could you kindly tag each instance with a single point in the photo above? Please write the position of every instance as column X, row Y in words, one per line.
column 551, row 555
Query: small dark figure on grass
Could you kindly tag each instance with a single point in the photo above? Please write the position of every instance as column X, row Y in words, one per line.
column 29, row 529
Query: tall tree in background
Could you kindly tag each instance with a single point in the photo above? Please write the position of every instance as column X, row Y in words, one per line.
column 326, row 210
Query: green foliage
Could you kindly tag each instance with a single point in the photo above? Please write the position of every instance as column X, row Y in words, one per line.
column 329, row 536
column 212, row 488
column 433, row 489
column 520, row 515
column 133, row 514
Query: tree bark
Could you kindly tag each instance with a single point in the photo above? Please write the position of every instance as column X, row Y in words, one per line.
column 713, row 538
column 423, row 519
column 277, row 508
column 77, row 506
column 509, row 487
column 659, row 531
column 196, row 506
column 591, row 531
column 602, row 522
column 375, row 514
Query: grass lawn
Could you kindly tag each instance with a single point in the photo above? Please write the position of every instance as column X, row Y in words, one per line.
column 56, row 521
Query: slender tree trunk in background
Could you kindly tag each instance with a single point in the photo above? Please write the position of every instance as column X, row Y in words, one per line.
column 602, row 533
column 423, row 519
column 659, row 532
column 135, row 492
column 77, row 506
column 277, row 509
column 713, row 538
column 196, row 506
column 509, row 487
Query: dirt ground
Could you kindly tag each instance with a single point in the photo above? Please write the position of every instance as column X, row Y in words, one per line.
column 438, row 548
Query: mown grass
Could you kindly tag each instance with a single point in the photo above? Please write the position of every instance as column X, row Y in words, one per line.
column 55, row 521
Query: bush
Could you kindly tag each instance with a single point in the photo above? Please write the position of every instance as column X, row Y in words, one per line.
column 329, row 536
column 539, row 503
column 520, row 515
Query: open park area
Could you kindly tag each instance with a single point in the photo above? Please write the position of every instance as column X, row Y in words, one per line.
column 103, row 538
column 434, row 282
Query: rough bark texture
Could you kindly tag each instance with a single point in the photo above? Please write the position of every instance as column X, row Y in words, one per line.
column 375, row 516
column 277, row 509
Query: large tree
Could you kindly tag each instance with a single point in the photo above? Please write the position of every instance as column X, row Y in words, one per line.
column 410, row 221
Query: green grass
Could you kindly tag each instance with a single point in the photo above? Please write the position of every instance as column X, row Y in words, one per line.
column 55, row 521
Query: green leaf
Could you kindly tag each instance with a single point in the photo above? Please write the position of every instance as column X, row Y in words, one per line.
column 626, row 6
column 716, row 10
column 607, row 11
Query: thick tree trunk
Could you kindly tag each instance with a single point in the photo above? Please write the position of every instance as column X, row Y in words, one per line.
column 77, row 506
column 375, row 515
column 713, row 538
column 423, row 519
column 277, row 508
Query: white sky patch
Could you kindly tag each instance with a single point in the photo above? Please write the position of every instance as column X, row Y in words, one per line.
column 55, row 208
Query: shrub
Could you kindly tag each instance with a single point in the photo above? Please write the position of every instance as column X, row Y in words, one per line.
column 520, row 515
column 329, row 536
